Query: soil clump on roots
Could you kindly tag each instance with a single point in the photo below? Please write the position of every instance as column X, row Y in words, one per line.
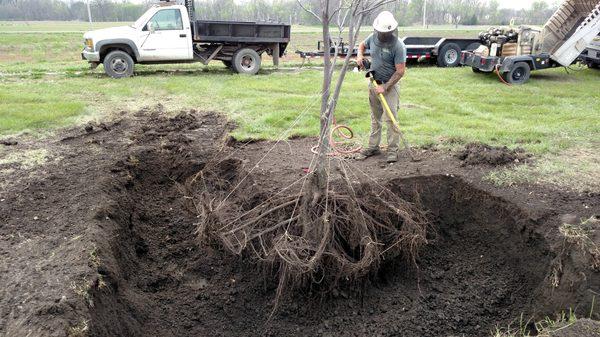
column 310, row 240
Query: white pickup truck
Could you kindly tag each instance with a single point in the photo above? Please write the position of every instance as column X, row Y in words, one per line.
column 168, row 33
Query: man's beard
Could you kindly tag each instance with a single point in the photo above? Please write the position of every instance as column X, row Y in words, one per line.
column 386, row 40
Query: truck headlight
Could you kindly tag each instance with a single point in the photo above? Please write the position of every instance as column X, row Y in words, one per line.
column 89, row 43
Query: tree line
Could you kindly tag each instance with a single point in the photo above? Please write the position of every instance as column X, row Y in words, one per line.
column 407, row 12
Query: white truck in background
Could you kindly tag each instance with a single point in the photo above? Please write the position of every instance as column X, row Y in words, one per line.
column 169, row 33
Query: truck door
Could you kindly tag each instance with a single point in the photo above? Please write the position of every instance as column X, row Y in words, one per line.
column 169, row 37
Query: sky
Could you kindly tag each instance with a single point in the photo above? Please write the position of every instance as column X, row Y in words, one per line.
column 519, row 4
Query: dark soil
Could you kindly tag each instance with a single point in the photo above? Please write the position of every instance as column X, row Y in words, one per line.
column 580, row 328
column 483, row 154
column 8, row 142
column 99, row 242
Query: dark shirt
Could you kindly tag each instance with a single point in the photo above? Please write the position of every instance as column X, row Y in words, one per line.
column 384, row 60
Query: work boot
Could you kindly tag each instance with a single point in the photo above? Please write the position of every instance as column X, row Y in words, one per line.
column 366, row 153
column 392, row 157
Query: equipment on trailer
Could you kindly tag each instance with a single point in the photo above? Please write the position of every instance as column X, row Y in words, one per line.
column 591, row 55
column 514, row 53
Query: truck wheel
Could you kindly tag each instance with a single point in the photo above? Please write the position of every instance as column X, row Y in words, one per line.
column 473, row 46
column 449, row 55
column 518, row 74
column 118, row 64
column 246, row 61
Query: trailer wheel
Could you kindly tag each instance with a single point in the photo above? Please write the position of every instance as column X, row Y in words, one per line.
column 473, row 46
column 246, row 61
column 518, row 74
column 449, row 55
column 118, row 64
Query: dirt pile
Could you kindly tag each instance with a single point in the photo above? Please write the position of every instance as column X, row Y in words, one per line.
column 102, row 243
column 580, row 328
column 483, row 154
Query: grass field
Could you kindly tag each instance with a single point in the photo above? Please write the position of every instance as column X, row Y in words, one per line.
column 44, row 84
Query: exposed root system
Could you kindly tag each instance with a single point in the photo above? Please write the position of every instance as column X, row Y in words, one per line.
column 336, row 237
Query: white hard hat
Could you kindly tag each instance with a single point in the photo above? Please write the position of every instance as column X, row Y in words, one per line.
column 385, row 22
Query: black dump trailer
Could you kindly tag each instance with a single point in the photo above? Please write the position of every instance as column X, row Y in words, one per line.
column 239, row 45
column 445, row 52
column 221, row 40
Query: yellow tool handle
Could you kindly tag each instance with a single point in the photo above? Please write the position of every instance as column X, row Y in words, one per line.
column 388, row 111
column 386, row 107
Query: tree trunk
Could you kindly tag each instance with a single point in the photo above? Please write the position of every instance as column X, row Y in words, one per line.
column 320, row 179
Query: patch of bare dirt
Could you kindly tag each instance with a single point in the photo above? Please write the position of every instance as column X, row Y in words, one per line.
column 483, row 154
column 582, row 327
column 103, row 243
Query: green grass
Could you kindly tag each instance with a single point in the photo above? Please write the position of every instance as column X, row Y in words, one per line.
column 553, row 112
column 44, row 85
column 22, row 109
column 543, row 328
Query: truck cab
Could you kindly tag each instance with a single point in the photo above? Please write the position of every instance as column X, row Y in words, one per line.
column 163, row 33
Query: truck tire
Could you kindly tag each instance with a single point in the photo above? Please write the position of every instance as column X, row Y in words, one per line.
column 118, row 64
column 518, row 74
column 246, row 61
column 449, row 55
column 473, row 46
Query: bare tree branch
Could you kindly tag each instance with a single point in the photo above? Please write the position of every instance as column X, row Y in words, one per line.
column 308, row 10
column 375, row 5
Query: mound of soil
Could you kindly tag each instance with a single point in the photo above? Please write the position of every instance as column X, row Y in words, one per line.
column 101, row 242
column 483, row 154
column 8, row 142
column 580, row 328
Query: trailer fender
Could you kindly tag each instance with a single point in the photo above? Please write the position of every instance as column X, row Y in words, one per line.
column 125, row 44
column 437, row 46
column 464, row 44
column 508, row 62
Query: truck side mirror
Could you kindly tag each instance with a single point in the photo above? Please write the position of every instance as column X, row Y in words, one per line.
column 150, row 27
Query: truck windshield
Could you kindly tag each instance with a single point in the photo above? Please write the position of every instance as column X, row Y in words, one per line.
column 167, row 19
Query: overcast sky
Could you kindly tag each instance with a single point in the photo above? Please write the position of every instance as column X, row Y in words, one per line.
column 518, row 4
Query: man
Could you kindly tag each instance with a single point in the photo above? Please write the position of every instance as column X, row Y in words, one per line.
column 388, row 63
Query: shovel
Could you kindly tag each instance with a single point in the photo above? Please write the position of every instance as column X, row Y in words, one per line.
column 388, row 111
